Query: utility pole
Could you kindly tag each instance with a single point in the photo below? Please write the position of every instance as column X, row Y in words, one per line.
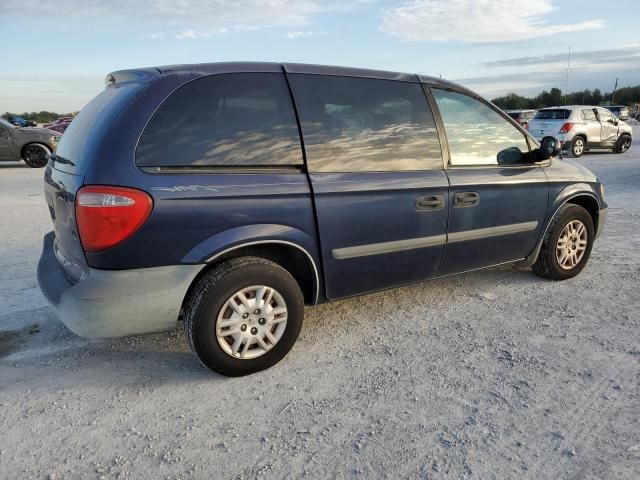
column 613, row 95
column 566, row 80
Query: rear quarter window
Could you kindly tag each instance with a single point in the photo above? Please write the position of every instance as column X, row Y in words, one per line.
column 227, row 120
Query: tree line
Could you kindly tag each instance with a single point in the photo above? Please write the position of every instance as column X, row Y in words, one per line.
column 512, row 101
column 623, row 96
column 38, row 117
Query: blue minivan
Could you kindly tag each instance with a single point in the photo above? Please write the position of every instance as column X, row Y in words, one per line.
column 231, row 195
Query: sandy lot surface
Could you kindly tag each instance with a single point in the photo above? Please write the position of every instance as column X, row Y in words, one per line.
column 494, row 374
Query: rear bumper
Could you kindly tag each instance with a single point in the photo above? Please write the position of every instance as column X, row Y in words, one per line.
column 115, row 303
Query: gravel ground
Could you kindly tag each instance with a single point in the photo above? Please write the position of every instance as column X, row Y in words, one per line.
column 492, row 374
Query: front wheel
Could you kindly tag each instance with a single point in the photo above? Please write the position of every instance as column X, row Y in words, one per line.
column 566, row 245
column 244, row 316
column 622, row 144
column 36, row 155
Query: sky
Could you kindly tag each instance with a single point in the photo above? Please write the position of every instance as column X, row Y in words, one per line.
column 56, row 54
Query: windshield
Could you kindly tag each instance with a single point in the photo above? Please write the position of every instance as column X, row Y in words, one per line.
column 556, row 114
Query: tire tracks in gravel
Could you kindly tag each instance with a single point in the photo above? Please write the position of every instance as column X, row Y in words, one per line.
column 576, row 426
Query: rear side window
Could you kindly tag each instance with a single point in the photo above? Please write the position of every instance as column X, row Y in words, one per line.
column 365, row 125
column 589, row 115
column 228, row 120
column 555, row 114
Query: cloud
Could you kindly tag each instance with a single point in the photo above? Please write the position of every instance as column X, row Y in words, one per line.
column 624, row 53
column 582, row 76
column 203, row 14
column 475, row 21
column 299, row 34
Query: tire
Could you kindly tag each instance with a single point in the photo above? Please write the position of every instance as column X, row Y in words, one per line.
column 548, row 264
column 578, row 146
column 209, row 306
column 622, row 144
column 35, row 155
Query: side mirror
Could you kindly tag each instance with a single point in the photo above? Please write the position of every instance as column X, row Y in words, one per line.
column 509, row 156
column 549, row 147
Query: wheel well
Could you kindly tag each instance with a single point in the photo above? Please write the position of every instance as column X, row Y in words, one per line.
column 33, row 143
column 291, row 258
column 590, row 204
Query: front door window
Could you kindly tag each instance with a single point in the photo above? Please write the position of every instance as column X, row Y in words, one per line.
column 477, row 134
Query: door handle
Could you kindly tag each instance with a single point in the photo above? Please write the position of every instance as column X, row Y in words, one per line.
column 466, row 199
column 429, row 203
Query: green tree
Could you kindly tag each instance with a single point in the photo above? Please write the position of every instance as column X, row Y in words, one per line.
column 624, row 96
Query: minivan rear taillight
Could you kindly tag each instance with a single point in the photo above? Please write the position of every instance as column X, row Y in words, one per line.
column 107, row 216
column 566, row 127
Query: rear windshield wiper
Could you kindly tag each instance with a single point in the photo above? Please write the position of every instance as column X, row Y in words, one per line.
column 58, row 159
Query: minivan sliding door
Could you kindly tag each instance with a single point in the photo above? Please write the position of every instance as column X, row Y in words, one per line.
column 376, row 171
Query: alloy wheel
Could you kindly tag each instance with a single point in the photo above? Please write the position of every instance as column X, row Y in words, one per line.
column 625, row 145
column 578, row 147
column 35, row 155
column 571, row 244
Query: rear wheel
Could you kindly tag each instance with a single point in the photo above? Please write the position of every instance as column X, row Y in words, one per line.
column 577, row 147
column 567, row 244
column 622, row 144
column 244, row 316
column 36, row 155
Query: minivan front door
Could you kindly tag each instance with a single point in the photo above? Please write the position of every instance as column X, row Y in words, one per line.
column 376, row 171
column 497, row 198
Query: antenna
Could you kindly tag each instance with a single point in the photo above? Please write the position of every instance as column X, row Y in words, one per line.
column 566, row 80
column 613, row 95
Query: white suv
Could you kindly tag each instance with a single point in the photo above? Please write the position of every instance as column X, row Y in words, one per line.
column 582, row 127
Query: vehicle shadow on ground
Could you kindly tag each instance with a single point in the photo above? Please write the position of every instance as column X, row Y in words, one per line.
column 45, row 343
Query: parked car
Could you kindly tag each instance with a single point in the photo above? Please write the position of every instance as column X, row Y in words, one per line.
column 33, row 145
column 523, row 117
column 58, row 127
column 620, row 111
column 233, row 194
column 20, row 122
column 580, row 128
column 58, row 121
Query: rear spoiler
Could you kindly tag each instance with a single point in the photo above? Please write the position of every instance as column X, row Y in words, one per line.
column 137, row 75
